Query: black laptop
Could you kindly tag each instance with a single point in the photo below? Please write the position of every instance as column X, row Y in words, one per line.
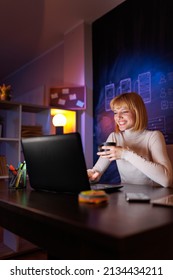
column 56, row 163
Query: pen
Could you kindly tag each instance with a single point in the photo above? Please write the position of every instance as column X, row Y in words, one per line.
column 19, row 174
column 12, row 169
column 13, row 181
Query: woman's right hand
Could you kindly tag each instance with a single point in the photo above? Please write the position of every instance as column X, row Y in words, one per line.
column 93, row 175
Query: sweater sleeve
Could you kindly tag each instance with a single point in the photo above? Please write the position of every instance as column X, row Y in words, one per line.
column 103, row 163
column 159, row 169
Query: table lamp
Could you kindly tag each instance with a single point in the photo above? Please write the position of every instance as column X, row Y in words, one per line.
column 59, row 121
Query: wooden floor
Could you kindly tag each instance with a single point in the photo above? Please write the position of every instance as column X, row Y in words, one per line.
column 26, row 253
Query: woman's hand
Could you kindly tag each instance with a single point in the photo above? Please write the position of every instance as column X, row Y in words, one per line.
column 93, row 175
column 111, row 152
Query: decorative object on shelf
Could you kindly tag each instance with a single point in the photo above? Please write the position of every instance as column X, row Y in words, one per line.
column 59, row 121
column 5, row 92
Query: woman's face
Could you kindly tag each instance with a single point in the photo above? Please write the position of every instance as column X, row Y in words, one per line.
column 124, row 118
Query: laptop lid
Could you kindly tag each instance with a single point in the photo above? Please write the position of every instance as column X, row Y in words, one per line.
column 56, row 163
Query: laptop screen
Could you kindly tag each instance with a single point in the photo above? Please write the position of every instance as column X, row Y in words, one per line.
column 56, row 163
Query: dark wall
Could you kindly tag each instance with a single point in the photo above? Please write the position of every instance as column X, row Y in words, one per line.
column 133, row 51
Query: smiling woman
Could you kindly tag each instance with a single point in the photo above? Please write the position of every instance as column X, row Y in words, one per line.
column 132, row 109
column 140, row 154
column 124, row 118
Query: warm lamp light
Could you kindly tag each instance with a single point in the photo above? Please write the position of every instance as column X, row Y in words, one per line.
column 59, row 121
column 70, row 117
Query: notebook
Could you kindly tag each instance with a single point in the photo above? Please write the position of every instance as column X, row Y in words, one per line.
column 56, row 163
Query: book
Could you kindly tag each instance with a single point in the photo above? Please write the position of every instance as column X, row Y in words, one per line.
column 3, row 166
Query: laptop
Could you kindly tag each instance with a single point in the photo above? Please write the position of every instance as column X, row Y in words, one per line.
column 56, row 163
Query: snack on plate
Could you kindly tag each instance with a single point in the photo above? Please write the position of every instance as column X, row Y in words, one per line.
column 92, row 196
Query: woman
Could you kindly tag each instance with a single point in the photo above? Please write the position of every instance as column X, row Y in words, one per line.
column 141, row 154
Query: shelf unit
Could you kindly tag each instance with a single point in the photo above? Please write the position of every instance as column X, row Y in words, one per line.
column 15, row 115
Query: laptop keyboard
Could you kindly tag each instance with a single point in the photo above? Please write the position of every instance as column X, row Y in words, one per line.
column 105, row 187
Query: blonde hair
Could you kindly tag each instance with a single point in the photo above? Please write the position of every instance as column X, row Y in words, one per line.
column 135, row 104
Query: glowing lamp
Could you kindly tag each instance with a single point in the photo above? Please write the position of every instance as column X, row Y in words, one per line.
column 59, row 121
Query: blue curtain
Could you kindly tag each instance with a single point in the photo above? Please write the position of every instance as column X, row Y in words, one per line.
column 133, row 51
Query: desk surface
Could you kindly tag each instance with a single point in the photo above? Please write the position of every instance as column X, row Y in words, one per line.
column 69, row 230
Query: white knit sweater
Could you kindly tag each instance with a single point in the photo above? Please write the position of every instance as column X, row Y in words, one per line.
column 146, row 160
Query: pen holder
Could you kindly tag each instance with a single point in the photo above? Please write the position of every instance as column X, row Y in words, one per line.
column 17, row 180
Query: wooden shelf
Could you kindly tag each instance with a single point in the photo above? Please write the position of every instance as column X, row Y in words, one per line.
column 9, row 139
column 33, row 108
column 6, row 105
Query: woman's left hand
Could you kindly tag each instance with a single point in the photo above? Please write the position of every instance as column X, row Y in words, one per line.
column 111, row 153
